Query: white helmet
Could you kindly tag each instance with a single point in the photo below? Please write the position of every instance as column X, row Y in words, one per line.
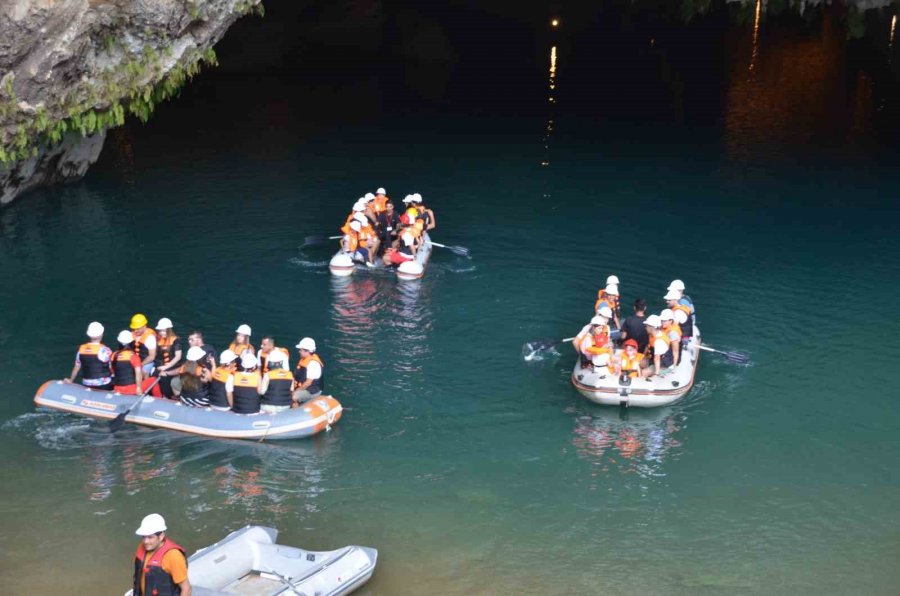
column 676, row 284
column 361, row 218
column 612, row 280
column 125, row 337
column 380, row 191
column 227, row 357
column 598, row 320
column 612, row 290
column 667, row 315
column 369, row 196
column 416, row 198
column 248, row 360
column 151, row 524
column 672, row 295
column 195, row 353
column 243, row 329
column 308, row 344
column 605, row 311
column 95, row 329
column 275, row 356
column 357, row 207
column 407, row 199
column 355, row 226
column 653, row 321
column 164, row 323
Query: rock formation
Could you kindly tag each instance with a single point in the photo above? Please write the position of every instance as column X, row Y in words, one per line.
column 70, row 69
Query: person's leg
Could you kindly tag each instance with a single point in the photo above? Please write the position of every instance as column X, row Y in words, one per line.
column 155, row 391
column 302, row 396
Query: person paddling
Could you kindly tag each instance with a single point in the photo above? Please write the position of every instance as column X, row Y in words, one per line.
column 93, row 360
column 160, row 567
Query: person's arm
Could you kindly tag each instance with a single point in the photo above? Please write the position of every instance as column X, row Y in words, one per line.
column 186, row 589
column 229, row 391
column 151, row 350
column 432, row 223
column 173, row 363
column 656, row 363
column 675, row 346
column 175, row 565
column 263, row 384
column 75, row 369
column 138, row 378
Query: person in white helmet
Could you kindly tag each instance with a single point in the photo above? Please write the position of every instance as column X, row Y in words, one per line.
column 368, row 239
column 245, row 393
column 599, row 324
column 221, row 385
column 168, row 362
column 241, row 343
column 160, row 567
column 597, row 347
column 93, row 360
column 126, row 366
column 381, row 201
column 276, row 385
column 309, row 376
column 673, row 334
column 425, row 214
column 609, row 296
column 192, row 385
column 658, row 353
column 678, row 301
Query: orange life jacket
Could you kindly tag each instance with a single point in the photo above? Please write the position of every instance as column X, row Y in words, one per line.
column 300, row 375
column 278, row 393
column 611, row 301
column 149, row 576
column 381, row 203
column 140, row 340
column 631, row 366
column 91, row 365
column 673, row 328
column 240, row 348
column 246, row 392
column 353, row 241
column 164, row 352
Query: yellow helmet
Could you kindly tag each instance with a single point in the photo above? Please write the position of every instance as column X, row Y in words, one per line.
column 138, row 321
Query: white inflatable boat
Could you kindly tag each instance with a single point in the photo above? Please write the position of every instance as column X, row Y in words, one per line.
column 311, row 418
column 603, row 387
column 344, row 264
column 248, row 562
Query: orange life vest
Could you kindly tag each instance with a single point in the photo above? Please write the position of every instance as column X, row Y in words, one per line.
column 278, row 393
column 164, row 352
column 673, row 328
column 631, row 366
column 611, row 301
column 353, row 241
column 241, row 348
column 300, row 375
column 381, row 203
column 140, row 341
column 150, row 579
column 246, row 392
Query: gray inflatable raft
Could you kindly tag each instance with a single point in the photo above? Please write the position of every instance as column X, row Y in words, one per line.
column 248, row 562
column 602, row 387
column 313, row 417
column 343, row 264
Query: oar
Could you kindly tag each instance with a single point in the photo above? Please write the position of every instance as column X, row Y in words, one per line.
column 545, row 344
column 460, row 250
column 736, row 357
column 117, row 422
column 319, row 239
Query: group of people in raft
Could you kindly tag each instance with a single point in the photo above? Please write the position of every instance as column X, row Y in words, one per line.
column 243, row 379
column 376, row 229
column 651, row 345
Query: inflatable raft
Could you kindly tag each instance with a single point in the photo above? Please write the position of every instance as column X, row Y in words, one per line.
column 604, row 387
column 249, row 562
column 342, row 264
column 311, row 418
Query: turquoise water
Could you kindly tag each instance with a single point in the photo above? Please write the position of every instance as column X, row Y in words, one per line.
column 471, row 470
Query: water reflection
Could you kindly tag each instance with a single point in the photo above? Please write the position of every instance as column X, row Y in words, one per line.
column 628, row 441
column 759, row 5
column 548, row 130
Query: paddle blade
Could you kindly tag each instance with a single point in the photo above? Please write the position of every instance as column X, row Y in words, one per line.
column 118, row 422
column 318, row 239
column 538, row 348
column 738, row 357
column 459, row 250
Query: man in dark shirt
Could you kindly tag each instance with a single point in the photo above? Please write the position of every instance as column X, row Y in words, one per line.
column 389, row 223
column 633, row 327
column 196, row 339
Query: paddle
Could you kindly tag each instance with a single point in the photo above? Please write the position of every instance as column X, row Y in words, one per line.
column 459, row 250
column 736, row 357
column 117, row 422
column 319, row 239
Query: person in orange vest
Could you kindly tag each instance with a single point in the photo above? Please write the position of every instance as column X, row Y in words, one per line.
column 683, row 312
column 351, row 243
column 381, row 201
column 424, row 213
column 160, row 567
column 368, row 238
column 673, row 334
column 276, row 385
column 609, row 296
column 245, row 394
column 659, row 356
column 598, row 322
column 309, row 376
column 266, row 347
column 596, row 346
column 241, row 341
column 93, row 360
column 144, row 342
column 221, row 385
column 630, row 360
column 128, row 374
column 168, row 361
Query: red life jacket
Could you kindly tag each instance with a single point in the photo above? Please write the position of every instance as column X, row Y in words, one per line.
column 156, row 581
